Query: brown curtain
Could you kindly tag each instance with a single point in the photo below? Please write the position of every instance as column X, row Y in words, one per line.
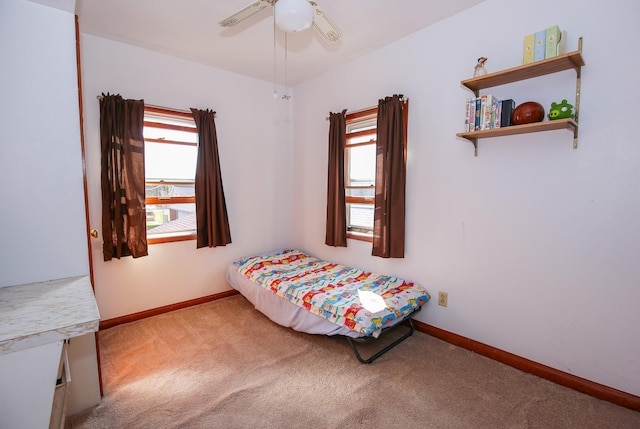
column 212, row 223
column 389, row 211
column 336, row 234
column 124, row 217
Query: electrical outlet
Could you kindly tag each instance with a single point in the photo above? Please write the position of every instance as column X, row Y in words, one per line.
column 443, row 298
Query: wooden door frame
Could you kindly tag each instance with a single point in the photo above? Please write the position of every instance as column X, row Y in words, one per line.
column 86, row 188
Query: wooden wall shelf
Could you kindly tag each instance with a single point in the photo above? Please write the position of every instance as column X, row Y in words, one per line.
column 572, row 60
column 560, row 124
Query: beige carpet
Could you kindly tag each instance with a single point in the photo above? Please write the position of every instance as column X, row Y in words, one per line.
column 224, row 365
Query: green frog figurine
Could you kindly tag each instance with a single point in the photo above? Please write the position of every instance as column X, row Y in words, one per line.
column 560, row 111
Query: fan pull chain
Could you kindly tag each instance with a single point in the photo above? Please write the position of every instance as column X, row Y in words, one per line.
column 286, row 64
column 275, row 68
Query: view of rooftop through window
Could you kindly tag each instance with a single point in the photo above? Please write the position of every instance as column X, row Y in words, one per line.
column 360, row 169
column 171, row 146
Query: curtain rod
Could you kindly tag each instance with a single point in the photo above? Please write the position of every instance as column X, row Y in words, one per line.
column 99, row 97
column 402, row 98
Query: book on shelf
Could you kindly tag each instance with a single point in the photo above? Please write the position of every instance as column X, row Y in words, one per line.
column 482, row 113
column 498, row 114
column 490, row 112
column 527, row 55
column 553, row 37
column 507, row 107
column 493, row 105
column 556, row 42
column 543, row 44
column 470, row 115
column 539, row 45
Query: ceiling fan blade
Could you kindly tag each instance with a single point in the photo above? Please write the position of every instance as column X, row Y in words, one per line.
column 245, row 13
column 325, row 25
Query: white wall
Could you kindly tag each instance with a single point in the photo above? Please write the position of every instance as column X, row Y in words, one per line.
column 537, row 244
column 42, row 221
column 254, row 139
column 530, row 239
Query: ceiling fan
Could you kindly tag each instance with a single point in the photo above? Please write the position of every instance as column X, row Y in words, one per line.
column 290, row 16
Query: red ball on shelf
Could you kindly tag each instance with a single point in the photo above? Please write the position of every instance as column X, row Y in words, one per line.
column 527, row 113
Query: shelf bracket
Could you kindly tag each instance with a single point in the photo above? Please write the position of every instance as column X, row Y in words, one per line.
column 473, row 141
column 577, row 106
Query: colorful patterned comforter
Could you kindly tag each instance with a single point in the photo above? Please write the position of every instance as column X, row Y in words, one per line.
column 361, row 301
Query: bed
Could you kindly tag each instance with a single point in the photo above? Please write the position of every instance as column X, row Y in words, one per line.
column 307, row 294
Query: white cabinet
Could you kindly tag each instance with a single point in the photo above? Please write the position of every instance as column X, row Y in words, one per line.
column 35, row 321
column 61, row 391
column 28, row 383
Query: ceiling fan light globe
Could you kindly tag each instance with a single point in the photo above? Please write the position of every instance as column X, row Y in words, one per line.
column 293, row 15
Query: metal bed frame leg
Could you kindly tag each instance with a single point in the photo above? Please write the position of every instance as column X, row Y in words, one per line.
column 384, row 350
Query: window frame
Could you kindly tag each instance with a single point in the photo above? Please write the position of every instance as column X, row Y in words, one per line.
column 361, row 116
column 177, row 114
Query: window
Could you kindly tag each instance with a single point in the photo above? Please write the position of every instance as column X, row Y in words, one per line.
column 170, row 150
column 360, row 171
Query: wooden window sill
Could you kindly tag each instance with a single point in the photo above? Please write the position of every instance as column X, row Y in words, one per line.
column 170, row 239
column 359, row 236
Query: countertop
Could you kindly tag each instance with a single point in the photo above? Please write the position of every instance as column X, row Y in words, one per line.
column 34, row 314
